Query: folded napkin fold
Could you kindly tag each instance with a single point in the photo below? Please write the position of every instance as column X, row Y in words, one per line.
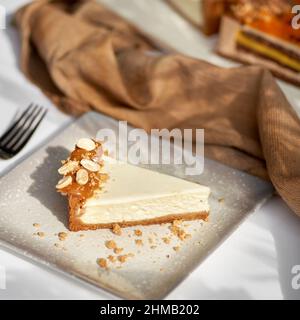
column 85, row 57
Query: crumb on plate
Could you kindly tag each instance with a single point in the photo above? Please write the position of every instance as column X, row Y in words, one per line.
column 102, row 263
column 116, row 229
column 110, row 244
column 62, row 236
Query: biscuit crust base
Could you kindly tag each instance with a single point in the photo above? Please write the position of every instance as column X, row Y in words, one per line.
column 75, row 223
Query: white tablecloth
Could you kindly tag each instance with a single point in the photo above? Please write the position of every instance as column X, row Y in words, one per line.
column 255, row 262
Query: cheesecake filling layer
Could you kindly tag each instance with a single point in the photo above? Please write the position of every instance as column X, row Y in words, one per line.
column 95, row 212
column 134, row 194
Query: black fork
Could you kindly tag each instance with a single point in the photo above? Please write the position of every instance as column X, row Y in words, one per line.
column 20, row 132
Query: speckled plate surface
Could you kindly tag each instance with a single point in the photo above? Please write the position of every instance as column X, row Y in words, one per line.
column 28, row 196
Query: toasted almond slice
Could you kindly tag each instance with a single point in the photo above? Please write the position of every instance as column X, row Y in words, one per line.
column 90, row 165
column 68, row 167
column 64, row 182
column 86, row 144
column 82, row 177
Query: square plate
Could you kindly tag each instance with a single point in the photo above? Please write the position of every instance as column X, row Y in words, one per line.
column 28, row 196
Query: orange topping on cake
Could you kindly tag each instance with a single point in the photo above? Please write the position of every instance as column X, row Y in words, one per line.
column 82, row 170
column 273, row 17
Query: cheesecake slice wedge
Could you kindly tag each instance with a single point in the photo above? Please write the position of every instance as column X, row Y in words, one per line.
column 124, row 194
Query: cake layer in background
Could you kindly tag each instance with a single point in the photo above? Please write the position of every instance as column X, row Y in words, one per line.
column 270, row 16
column 269, row 47
column 260, row 32
column 273, row 17
column 250, row 46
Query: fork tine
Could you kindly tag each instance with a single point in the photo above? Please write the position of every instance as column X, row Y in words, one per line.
column 31, row 131
column 16, row 123
column 16, row 132
column 19, row 134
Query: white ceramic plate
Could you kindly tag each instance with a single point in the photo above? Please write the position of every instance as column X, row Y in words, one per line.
column 28, row 196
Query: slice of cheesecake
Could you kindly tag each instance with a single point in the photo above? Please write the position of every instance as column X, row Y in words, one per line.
column 104, row 192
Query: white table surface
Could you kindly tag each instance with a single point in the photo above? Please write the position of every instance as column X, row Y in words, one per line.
column 254, row 263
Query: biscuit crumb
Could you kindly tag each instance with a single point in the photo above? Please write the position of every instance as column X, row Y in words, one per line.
column 36, row 225
column 122, row 258
column 152, row 247
column 138, row 233
column 111, row 258
column 177, row 222
column 220, row 200
column 62, row 236
column 177, row 248
column 102, row 263
column 168, row 256
column 118, row 250
column 166, row 240
column 40, row 234
column 110, row 244
column 139, row 242
column 180, row 233
column 116, row 229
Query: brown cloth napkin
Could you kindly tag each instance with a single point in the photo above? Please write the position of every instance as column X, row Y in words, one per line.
column 85, row 57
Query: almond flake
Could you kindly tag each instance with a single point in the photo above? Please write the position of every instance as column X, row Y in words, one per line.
column 64, row 182
column 86, row 144
column 68, row 167
column 90, row 165
column 82, row 177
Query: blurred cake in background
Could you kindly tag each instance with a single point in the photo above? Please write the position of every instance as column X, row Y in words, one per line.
column 273, row 17
column 251, row 31
column 260, row 32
